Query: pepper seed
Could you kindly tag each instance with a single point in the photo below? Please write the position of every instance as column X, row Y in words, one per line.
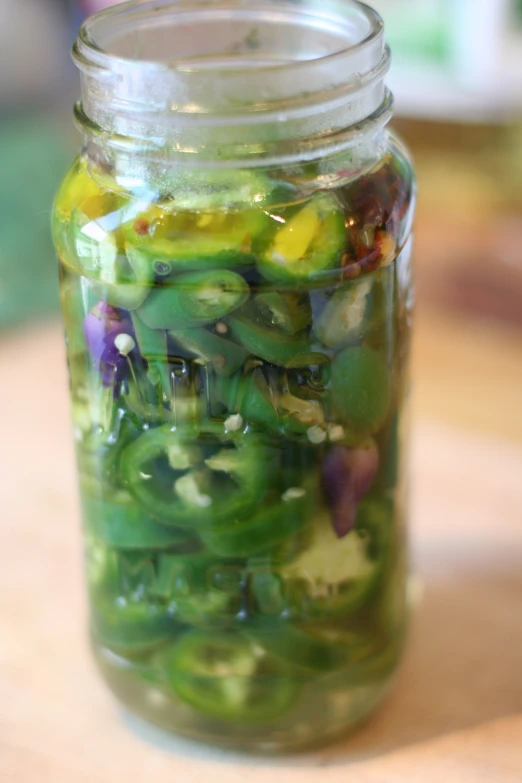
column 234, row 422
column 316, row 435
column 294, row 493
column 336, row 433
column 125, row 344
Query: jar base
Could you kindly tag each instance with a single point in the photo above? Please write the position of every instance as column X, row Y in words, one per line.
column 320, row 718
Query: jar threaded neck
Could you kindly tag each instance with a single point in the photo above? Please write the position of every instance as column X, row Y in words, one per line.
column 231, row 79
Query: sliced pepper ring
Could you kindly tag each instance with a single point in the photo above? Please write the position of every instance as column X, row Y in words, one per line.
column 259, row 403
column 207, row 239
column 228, row 677
column 269, row 343
column 334, row 578
column 119, row 522
column 153, row 347
column 131, row 626
column 225, row 356
column 309, row 242
column 123, row 618
column 310, row 651
column 287, row 311
column 265, row 529
column 121, row 278
column 166, row 469
column 194, row 299
column 345, row 319
column 200, row 589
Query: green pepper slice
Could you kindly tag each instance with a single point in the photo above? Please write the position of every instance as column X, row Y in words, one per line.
column 251, row 397
column 201, row 590
column 333, row 577
column 369, row 659
column 120, row 523
column 153, row 347
column 311, row 241
column 193, row 478
column 291, row 313
column 122, row 616
column 297, row 647
column 270, row 344
column 225, row 356
column 360, row 389
column 226, row 676
column 194, row 299
column 122, row 279
column 172, row 241
column 265, row 529
column 130, row 627
column 344, row 320
column 259, row 403
column 99, row 454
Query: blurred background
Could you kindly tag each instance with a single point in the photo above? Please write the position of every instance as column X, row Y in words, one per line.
column 457, row 79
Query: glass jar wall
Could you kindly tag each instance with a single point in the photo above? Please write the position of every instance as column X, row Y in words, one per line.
column 237, row 301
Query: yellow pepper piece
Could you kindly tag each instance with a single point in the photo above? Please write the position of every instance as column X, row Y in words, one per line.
column 76, row 189
column 293, row 241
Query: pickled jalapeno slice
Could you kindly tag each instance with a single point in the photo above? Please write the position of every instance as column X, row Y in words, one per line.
column 264, row 529
column 122, row 617
column 153, row 348
column 121, row 523
column 267, row 343
column 199, row 589
column 289, row 312
column 194, row 299
column 131, row 627
column 309, row 651
column 360, row 388
column 225, row 356
column 194, row 478
column 335, row 577
column 274, row 408
column 122, row 278
column 307, row 242
column 170, row 242
column 345, row 319
column 229, row 677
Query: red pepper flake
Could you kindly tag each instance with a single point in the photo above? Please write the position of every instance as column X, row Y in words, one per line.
column 365, row 256
column 141, row 227
column 352, row 271
column 347, row 173
column 371, row 265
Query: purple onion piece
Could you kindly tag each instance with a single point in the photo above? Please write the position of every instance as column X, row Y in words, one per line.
column 347, row 476
column 101, row 328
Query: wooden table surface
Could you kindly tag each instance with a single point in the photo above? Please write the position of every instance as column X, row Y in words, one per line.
column 455, row 713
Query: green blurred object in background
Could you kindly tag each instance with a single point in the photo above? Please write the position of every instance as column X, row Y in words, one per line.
column 33, row 158
column 420, row 31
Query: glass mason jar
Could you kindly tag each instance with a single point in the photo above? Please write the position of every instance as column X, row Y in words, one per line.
column 235, row 257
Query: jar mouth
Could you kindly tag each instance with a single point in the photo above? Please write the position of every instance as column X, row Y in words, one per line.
column 268, row 70
column 166, row 34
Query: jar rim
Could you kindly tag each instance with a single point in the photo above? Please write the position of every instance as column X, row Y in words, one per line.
column 88, row 53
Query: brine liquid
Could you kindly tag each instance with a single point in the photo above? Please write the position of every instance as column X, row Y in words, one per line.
column 241, row 448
